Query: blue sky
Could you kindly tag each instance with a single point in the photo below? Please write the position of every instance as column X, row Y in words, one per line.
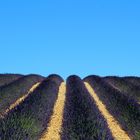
column 70, row 37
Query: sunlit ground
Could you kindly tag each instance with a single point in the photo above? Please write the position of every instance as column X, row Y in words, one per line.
column 117, row 132
column 20, row 100
column 55, row 124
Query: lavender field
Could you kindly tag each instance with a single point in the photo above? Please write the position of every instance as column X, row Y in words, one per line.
column 34, row 107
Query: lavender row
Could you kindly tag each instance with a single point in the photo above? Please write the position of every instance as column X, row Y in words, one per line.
column 127, row 88
column 9, row 94
column 5, row 79
column 82, row 119
column 28, row 120
column 133, row 80
column 124, row 109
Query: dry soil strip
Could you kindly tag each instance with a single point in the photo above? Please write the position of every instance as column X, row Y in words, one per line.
column 20, row 100
column 55, row 124
column 113, row 125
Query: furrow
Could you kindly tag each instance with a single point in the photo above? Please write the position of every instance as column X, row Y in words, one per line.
column 19, row 101
column 16, row 90
column 124, row 109
column 117, row 132
column 82, row 120
column 55, row 124
column 28, row 120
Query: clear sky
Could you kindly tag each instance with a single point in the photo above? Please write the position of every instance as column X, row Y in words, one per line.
column 70, row 37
